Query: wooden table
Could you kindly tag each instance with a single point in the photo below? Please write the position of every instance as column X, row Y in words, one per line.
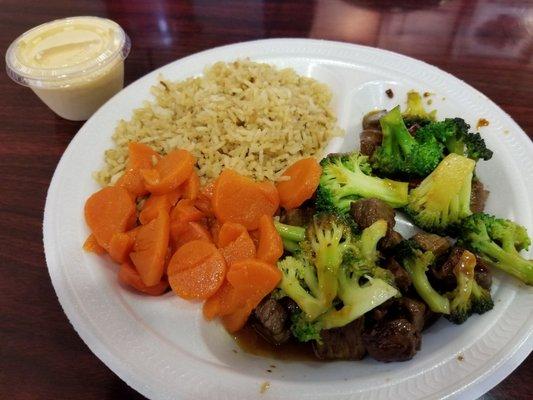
column 484, row 42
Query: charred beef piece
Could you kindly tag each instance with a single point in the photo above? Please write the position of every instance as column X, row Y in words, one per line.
column 271, row 320
column 401, row 277
column 390, row 241
column 478, row 196
column 367, row 211
column 392, row 340
column 407, row 308
column 371, row 120
column 444, row 278
column 482, row 273
column 369, row 141
column 343, row 343
column 438, row 245
column 297, row 216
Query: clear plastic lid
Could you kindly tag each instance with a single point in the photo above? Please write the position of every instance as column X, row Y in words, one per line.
column 87, row 46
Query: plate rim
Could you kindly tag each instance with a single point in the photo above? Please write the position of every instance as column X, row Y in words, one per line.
column 476, row 387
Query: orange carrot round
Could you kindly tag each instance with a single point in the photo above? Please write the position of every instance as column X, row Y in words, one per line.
column 191, row 187
column 150, row 248
column 303, row 177
column 235, row 243
column 130, row 277
column 270, row 247
column 254, row 279
column 185, row 211
column 92, row 246
column 158, row 202
column 170, row 172
column 120, row 247
column 109, row 211
column 183, row 232
column 140, row 156
column 239, row 199
column 223, row 302
column 196, row 270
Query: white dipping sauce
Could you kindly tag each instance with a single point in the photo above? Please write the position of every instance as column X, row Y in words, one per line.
column 74, row 64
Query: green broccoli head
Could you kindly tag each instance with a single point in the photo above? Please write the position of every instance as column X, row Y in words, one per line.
column 305, row 330
column 498, row 242
column 454, row 134
column 362, row 284
column 311, row 278
column 443, row 198
column 401, row 154
column 416, row 263
column 347, row 177
column 468, row 297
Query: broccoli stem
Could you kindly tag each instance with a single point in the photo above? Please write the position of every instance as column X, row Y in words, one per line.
column 508, row 261
column 290, row 246
column 395, row 132
column 417, row 271
column 290, row 232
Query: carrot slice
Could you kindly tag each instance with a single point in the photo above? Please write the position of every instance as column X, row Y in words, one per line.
column 140, row 156
column 92, row 246
column 158, row 202
column 270, row 247
column 239, row 199
column 183, row 232
column 196, row 270
column 185, row 211
column 235, row 243
column 191, row 187
column 150, row 248
column 120, row 247
column 129, row 276
column 223, row 302
column 170, row 172
column 270, row 191
column 203, row 201
column 236, row 320
column 214, row 228
column 254, row 279
column 109, row 211
column 304, row 176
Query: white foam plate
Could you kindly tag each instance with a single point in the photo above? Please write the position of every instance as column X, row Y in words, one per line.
column 164, row 349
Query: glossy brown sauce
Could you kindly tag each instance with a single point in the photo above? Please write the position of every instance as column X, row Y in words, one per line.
column 481, row 123
column 251, row 342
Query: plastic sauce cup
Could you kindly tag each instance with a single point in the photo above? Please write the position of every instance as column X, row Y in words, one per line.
column 74, row 64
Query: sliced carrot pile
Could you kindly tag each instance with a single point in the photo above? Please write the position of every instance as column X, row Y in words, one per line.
column 92, row 246
column 150, row 248
column 216, row 243
column 270, row 247
column 140, row 156
column 235, row 243
column 239, row 199
column 303, row 177
column 129, row 276
column 170, row 172
column 196, row 270
column 110, row 210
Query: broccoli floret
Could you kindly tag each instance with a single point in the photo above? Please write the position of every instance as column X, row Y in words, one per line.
column 443, row 197
column 415, row 113
column 416, row 263
column 311, row 279
column 362, row 285
column 346, row 178
column 468, row 297
column 290, row 235
column 401, row 154
column 305, row 330
column 498, row 242
column 454, row 134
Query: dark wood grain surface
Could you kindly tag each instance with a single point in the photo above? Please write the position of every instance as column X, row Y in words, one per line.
column 487, row 43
